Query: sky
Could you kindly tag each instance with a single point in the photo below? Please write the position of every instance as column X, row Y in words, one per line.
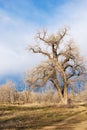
column 20, row 20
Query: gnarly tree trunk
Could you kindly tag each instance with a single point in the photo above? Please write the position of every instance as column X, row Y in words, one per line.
column 63, row 97
column 63, row 94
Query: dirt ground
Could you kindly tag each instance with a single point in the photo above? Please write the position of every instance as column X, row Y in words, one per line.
column 72, row 123
column 81, row 126
column 28, row 117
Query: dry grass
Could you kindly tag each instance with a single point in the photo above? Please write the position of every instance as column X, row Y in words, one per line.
column 40, row 117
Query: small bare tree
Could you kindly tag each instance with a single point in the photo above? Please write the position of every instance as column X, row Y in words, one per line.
column 63, row 67
column 7, row 92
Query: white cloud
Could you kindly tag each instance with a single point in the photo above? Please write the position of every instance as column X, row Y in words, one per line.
column 73, row 14
column 15, row 35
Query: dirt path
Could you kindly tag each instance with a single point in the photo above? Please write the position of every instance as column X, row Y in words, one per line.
column 81, row 126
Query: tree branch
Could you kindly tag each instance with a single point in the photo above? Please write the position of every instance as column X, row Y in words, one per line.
column 38, row 50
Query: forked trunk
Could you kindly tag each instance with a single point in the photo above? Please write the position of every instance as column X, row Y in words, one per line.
column 63, row 97
column 62, row 94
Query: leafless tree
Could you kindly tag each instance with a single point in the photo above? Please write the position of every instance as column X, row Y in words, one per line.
column 7, row 92
column 63, row 67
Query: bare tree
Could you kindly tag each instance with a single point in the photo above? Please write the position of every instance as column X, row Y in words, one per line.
column 7, row 92
column 63, row 67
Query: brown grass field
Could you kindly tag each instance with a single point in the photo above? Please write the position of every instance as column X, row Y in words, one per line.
column 37, row 117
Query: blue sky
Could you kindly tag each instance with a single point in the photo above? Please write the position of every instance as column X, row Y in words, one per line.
column 20, row 20
column 31, row 10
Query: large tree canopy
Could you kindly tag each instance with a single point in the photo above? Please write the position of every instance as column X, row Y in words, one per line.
column 63, row 66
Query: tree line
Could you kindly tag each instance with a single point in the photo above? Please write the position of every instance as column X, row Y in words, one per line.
column 10, row 95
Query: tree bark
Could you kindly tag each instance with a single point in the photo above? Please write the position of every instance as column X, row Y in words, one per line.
column 62, row 94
